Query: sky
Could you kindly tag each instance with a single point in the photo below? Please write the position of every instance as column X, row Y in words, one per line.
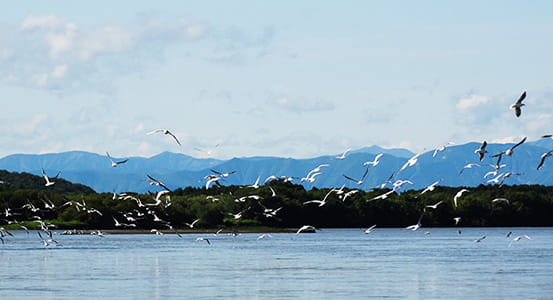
column 271, row 78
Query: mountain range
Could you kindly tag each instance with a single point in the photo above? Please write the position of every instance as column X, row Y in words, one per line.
column 178, row 170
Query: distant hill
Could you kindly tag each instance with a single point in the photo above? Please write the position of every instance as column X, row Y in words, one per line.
column 15, row 181
column 178, row 170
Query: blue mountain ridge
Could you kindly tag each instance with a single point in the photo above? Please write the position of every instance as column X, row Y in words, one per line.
column 179, row 170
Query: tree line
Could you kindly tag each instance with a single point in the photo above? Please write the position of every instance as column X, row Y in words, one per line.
column 277, row 204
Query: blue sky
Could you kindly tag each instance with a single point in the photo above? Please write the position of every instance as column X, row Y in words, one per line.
column 288, row 78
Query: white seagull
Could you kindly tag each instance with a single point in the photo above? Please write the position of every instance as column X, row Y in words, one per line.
column 115, row 163
column 165, row 131
column 434, row 206
column 49, row 181
column 482, row 150
column 304, row 228
column 518, row 105
column 458, row 195
column 343, row 155
column 469, row 166
column 368, row 230
column 543, row 157
column 431, row 187
column 510, row 150
column 442, row 148
column 375, row 162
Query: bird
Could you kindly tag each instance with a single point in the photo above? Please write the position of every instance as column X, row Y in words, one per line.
column 510, row 150
column 382, row 196
column 156, row 232
column 343, row 155
column 154, row 181
column 375, row 162
column 482, row 150
column 256, row 184
column 518, row 105
column 115, row 163
column 49, row 181
column 478, row 240
column 411, row 162
column 434, row 206
column 203, row 239
column 321, row 202
column 306, row 227
column 518, row 238
column 368, row 230
column 442, row 148
column 521, row 237
column 458, row 195
column 191, row 225
column 399, row 183
column 543, row 157
column 360, row 181
column 497, row 200
column 215, row 180
column 469, row 166
column 457, row 220
column 310, row 177
column 165, row 131
column 222, row 175
column 263, row 236
column 431, row 187
column 418, row 225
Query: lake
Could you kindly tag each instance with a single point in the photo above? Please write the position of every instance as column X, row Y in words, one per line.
column 329, row 264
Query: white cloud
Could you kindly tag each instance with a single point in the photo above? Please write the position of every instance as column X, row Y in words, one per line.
column 106, row 39
column 32, row 22
column 59, row 71
column 471, row 102
column 302, row 105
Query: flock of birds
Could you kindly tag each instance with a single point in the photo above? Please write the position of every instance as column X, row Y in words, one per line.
column 162, row 199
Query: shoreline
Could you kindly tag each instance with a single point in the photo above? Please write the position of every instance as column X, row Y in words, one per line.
column 183, row 231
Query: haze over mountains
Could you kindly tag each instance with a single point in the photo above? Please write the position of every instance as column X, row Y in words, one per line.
column 179, row 170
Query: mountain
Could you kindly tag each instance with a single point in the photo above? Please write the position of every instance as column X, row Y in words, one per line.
column 16, row 181
column 178, row 170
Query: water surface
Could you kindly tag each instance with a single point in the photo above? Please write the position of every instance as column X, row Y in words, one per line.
column 329, row 264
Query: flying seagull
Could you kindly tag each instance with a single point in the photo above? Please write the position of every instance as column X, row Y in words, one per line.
column 469, row 166
column 115, row 163
column 442, row 148
column 360, row 181
column 165, row 131
column 510, row 150
column 543, row 157
column 458, row 195
column 482, row 150
column 375, row 162
column 49, row 181
column 343, row 155
column 517, row 105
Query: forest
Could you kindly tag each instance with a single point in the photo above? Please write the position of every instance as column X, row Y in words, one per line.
column 276, row 204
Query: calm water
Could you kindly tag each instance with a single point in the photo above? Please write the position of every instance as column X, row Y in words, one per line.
column 330, row 264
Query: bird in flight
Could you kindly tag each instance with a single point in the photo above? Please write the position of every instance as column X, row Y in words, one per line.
column 49, row 181
column 518, row 105
column 360, row 181
column 343, row 155
column 115, row 163
column 543, row 157
column 165, row 131
column 482, row 150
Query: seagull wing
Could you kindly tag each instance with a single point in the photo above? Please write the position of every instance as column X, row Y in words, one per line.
column 176, row 140
column 347, row 177
column 519, row 143
column 155, row 131
column 519, row 101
